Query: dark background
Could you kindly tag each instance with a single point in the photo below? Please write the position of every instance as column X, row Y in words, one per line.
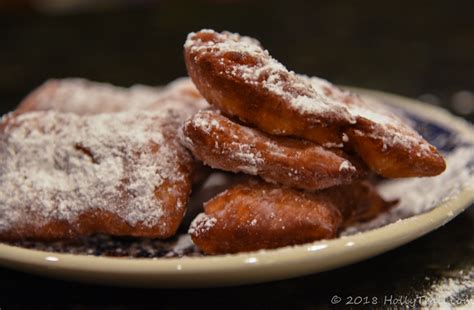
column 413, row 48
column 421, row 49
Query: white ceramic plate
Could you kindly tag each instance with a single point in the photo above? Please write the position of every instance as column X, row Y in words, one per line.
column 436, row 207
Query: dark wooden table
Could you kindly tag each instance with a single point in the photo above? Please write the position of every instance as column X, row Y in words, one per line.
column 413, row 49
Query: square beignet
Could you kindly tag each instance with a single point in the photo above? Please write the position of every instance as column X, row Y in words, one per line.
column 63, row 175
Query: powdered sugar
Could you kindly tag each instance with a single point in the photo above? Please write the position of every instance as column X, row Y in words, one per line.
column 199, row 121
column 85, row 97
column 56, row 166
column 346, row 165
column 345, row 138
column 331, row 145
column 242, row 59
column 80, row 96
column 450, row 293
column 244, row 152
column 386, row 125
column 261, row 71
column 248, row 155
column 106, row 245
column 201, row 223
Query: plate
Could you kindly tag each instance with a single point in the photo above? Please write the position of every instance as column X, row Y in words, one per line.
column 426, row 204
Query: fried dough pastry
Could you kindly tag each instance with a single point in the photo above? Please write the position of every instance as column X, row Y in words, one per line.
column 239, row 77
column 358, row 202
column 83, row 97
column 221, row 143
column 63, row 176
column 235, row 74
column 386, row 143
column 256, row 215
column 259, row 215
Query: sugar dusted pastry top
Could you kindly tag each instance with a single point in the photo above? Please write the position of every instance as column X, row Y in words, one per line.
column 243, row 59
column 84, row 97
column 391, row 128
column 57, row 166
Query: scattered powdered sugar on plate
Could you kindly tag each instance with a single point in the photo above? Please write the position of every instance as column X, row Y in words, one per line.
column 105, row 245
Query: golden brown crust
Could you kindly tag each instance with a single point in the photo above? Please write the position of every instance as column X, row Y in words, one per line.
column 256, row 215
column 89, row 223
column 386, row 143
column 223, row 144
column 358, row 202
column 30, row 102
column 243, row 80
column 420, row 159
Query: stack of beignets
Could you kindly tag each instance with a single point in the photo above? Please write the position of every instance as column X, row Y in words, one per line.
column 79, row 158
column 313, row 142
